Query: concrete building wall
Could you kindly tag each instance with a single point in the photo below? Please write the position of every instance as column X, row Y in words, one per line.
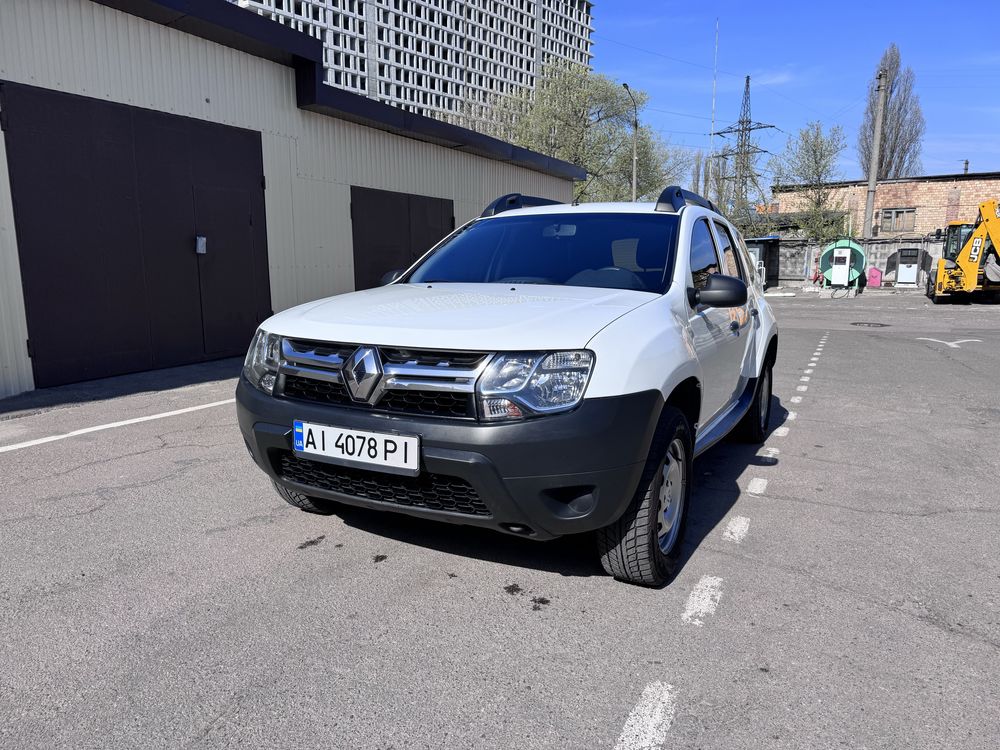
column 934, row 200
column 434, row 57
column 310, row 160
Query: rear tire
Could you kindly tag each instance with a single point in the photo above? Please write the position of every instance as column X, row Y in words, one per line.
column 305, row 502
column 644, row 545
column 753, row 427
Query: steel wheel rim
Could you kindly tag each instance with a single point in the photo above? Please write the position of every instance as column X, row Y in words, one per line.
column 765, row 398
column 673, row 481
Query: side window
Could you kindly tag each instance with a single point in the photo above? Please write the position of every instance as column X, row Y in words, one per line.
column 748, row 260
column 729, row 252
column 704, row 260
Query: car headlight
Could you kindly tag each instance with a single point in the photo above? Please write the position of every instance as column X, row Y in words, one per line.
column 261, row 364
column 519, row 385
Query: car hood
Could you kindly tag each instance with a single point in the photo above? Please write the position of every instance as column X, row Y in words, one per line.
column 476, row 317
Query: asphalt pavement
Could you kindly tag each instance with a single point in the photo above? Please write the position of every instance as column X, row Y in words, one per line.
column 840, row 586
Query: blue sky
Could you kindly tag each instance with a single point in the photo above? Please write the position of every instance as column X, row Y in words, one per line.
column 808, row 61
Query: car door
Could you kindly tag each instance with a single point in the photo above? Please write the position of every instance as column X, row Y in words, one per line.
column 709, row 325
column 736, row 346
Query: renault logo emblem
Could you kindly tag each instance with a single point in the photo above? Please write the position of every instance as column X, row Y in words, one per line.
column 362, row 373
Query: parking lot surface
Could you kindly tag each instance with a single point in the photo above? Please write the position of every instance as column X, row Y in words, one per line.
column 840, row 586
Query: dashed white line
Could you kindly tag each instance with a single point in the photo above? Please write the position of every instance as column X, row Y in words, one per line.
column 757, row 486
column 736, row 530
column 703, row 600
column 804, row 379
column 802, row 387
column 796, row 399
column 647, row 726
column 808, row 371
column 112, row 425
column 780, row 431
column 792, row 416
column 768, row 456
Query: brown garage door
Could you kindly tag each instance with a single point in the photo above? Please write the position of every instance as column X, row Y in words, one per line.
column 108, row 202
column 391, row 230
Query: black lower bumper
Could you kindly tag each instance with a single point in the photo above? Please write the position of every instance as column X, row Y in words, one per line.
column 542, row 478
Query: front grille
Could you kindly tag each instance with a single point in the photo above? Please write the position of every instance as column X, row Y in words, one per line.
column 428, row 404
column 432, row 491
column 418, row 403
column 432, row 358
column 318, row 391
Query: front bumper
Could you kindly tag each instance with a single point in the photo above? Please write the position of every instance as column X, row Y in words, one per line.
column 545, row 477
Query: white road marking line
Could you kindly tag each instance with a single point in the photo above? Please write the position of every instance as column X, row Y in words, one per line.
column 780, row 431
column 802, row 387
column 792, row 415
column 736, row 530
column 112, row 425
column 768, row 456
column 757, row 486
column 952, row 344
column 804, row 379
column 808, row 371
column 703, row 600
column 816, row 354
column 647, row 726
column 796, row 399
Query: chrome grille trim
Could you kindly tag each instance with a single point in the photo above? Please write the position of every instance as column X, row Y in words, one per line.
column 325, row 361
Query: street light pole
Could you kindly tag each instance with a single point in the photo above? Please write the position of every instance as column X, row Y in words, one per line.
column 635, row 141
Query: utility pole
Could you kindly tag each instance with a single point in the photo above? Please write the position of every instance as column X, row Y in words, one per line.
column 966, row 168
column 882, row 92
column 635, row 141
column 745, row 155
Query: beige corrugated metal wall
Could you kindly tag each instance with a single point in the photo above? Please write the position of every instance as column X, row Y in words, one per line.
column 310, row 160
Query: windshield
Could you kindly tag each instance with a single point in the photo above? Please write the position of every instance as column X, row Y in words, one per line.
column 613, row 251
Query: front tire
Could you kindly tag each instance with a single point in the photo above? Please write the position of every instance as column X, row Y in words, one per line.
column 932, row 292
column 304, row 502
column 644, row 545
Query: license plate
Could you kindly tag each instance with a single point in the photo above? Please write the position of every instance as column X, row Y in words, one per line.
column 395, row 454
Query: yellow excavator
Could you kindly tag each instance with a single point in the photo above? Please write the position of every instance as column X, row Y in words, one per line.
column 969, row 263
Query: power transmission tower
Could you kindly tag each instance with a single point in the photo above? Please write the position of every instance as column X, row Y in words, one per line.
column 744, row 158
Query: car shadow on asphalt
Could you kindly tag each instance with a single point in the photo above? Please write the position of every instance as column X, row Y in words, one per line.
column 716, row 482
column 714, row 494
column 122, row 385
column 569, row 556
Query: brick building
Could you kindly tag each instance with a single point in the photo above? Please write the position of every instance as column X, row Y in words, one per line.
column 907, row 207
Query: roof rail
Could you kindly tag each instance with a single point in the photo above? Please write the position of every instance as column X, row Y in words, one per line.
column 674, row 198
column 515, row 200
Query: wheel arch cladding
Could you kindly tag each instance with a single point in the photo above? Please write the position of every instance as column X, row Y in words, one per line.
column 771, row 355
column 686, row 398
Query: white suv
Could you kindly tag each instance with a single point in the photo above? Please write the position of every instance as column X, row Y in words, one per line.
column 546, row 369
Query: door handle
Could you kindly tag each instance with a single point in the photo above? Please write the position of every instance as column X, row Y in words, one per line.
column 201, row 244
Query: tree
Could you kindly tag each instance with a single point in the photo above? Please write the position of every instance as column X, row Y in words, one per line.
column 584, row 118
column 809, row 162
column 696, row 171
column 902, row 125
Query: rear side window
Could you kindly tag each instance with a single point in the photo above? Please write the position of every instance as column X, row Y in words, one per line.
column 728, row 252
column 704, row 259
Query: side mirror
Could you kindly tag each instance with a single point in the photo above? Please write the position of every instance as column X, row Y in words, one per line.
column 389, row 277
column 719, row 291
